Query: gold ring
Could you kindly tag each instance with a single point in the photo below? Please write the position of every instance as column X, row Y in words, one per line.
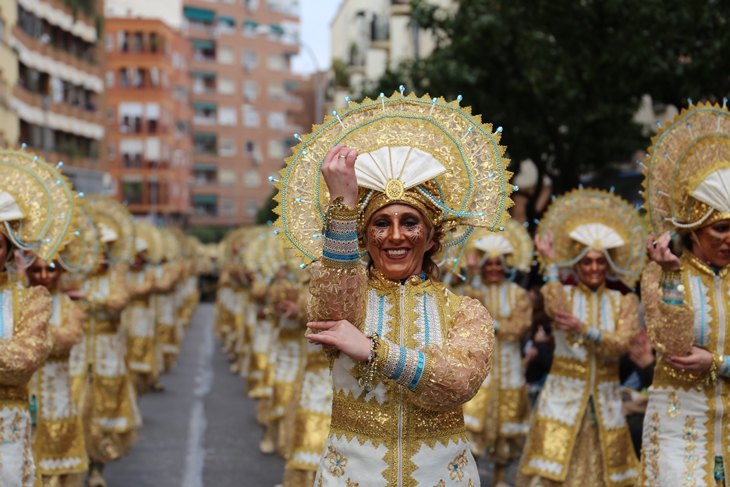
column 342, row 157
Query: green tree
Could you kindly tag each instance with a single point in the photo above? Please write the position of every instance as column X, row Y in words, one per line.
column 565, row 77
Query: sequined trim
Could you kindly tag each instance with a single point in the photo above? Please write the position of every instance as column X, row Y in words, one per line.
column 651, row 455
column 404, row 366
column 691, row 459
column 340, row 243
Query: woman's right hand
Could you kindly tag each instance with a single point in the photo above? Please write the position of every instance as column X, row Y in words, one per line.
column 544, row 245
column 660, row 253
column 338, row 170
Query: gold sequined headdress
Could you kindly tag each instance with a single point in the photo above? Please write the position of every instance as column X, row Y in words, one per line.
column 428, row 153
column 149, row 240
column 687, row 170
column 592, row 219
column 112, row 217
column 514, row 245
column 83, row 247
column 36, row 204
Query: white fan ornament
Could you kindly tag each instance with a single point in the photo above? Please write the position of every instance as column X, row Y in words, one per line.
column 9, row 209
column 141, row 244
column 393, row 170
column 597, row 236
column 714, row 190
column 107, row 234
column 494, row 245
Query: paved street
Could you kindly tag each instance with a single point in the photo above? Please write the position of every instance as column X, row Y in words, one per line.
column 202, row 430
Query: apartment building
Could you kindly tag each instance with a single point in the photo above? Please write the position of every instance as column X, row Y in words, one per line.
column 370, row 36
column 149, row 116
column 9, row 125
column 58, row 96
column 243, row 101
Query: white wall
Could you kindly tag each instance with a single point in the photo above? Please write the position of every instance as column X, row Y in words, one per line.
column 169, row 11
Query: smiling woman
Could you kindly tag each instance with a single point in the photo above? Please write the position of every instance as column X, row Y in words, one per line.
column 388, row 180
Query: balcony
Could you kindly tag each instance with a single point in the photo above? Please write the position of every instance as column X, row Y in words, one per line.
column 204, row 120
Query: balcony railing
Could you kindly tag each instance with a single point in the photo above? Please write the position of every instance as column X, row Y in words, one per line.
column 203, row 120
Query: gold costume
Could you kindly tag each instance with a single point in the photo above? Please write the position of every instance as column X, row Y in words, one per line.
column 138, row 320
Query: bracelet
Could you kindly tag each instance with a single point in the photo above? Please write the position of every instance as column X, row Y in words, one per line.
column 711, row 376
column 672, row 287
column 367, row 376
column 551, row 273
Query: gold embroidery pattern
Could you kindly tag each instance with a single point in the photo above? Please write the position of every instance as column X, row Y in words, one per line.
column 674, row 408
column 440, row 484
column 691, row 459
column 456, row 467
column 471, row 483
column 350, row 483
column 652, row 454
column 337, row 462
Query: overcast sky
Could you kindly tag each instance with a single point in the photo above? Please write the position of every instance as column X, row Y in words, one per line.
column 316, row 16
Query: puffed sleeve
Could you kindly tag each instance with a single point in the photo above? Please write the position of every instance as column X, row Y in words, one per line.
column 118, row 296
column 670, row 327
column 138, row 289
column 520, row 319
column 31, row 343
column 556, row 299
column 443, row 377
column 71, row 330
column 617, row 343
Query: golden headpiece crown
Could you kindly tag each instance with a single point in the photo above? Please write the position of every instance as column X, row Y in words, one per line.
column 514, row 241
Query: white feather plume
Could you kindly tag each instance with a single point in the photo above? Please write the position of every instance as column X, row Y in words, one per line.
column 597, row 236
column 375, row 169
column 714, row 190
column 494, row 244
column 9, row 209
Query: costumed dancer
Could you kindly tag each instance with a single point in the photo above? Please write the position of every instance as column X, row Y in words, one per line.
column 497, row 418
column 167, row 274
column 406, row 353
column 138, row 318
column 110, row 411
column 579, row 434
column 687, row 301
column 33, row 197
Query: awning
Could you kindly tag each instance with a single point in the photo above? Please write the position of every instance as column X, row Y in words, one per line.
column 204, row 199
column 224, row 19
column 277, row 29
column 202, row 44
column 202, row 74
column 200, row 14
column 200, row 136
column 250, row 23
column 291, row 142
column 205, row 167
column 291, row 85
column 204, row 105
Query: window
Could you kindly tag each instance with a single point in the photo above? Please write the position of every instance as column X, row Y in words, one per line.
column 227, row 176
column 110, row 114
column 276, row 62
column 227, row 116
column 226, row 25
column 204, row 174
column 154, row 42
column 112, row 151
column 276, row 149
column 227, row 147
column 205, row 143
column 252, row 207
column 276, row 91
column 250, row 90
column 276, row 32
column 277, row 120
column 227, row 207
column 253, row 152
column 132, row 192
column 226, row 86
column 251, row 5
column 250, row 116
column 131, row 152
column 123, row 78
column 250, row 28
column 225, row 55
column 249, row 60
column 122, row 41
column 154, row 77
column 252, row 179
column 110, row 79
column 109, row 42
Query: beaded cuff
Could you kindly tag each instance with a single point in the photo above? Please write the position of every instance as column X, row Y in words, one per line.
column 723, row 368
column 594, row 334
column 340, row 237
column 672, row 287
column 400, row 364
column 551, row 273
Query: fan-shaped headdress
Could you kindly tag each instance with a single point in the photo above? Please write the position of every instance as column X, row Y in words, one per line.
column 687, row 170
column 83, row 247
column 514, row 245
column 592, row 219
column 36, row 203
column 149, row 240
column 116, row 227
column 428, row 153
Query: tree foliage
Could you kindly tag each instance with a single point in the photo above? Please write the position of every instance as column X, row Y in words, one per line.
column 565, row 77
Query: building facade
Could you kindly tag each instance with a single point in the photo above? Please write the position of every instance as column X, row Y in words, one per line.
column 58, row 96
column 9, row 125
column 244, row 103
column 149, row 116
column 370, row 36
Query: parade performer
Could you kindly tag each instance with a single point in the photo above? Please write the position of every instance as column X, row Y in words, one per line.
column 395, row 175
column 579, row 435
column 497, row 418
column 58, row 441
column 33, row 198
column 166, row 276
column 686, row 303
column 138, row 318
column 111, row 417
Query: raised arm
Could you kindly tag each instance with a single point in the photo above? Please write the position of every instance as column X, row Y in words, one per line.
column 71, row 330
column 617, row 343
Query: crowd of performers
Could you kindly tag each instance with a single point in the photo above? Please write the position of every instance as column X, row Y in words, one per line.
column 93, row 308
column 386, row 327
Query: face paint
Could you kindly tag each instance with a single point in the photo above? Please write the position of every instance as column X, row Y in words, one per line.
column 712, row 243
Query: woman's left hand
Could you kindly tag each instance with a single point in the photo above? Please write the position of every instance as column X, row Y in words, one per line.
column 698, row 360
column 342, row 335
column 568, row 322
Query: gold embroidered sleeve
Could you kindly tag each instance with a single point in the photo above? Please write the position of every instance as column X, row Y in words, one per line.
column 556, row 299
column 259, row 290
column 302, row 300
column 31, row 343
column 168, row 277
column 337, row 294
column 617, row 343
column 512, row 329
column 72, row 327
column 670, row 327
column 118, row 296
column 452, row 373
